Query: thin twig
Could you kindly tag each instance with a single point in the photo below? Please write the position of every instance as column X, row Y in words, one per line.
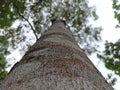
column 27, row 22
column 30, row 25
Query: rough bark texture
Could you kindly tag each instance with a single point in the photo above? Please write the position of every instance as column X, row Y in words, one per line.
column 55, row 62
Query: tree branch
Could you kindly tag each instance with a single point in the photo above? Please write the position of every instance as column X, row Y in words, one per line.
column 30, row 25
column 27, row 22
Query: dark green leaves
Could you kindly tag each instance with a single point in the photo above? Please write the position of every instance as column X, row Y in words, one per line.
column 116, row 7
column 111, row 56
column 3, row 72
column 6, row 15
column 3, row 40
column 9, row 11
column 112, row 80
column 3, row 61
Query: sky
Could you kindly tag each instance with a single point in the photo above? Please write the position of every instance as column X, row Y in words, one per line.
column 106, row 20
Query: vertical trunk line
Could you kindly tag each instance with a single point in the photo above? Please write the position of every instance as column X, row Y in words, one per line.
column 55, row 62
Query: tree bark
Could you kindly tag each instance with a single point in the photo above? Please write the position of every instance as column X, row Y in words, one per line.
column 55, row 62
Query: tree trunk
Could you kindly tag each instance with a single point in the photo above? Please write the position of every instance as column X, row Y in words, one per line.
column 55, row 62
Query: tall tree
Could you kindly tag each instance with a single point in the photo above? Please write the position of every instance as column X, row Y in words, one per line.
column 32, row 17
column 55, row 62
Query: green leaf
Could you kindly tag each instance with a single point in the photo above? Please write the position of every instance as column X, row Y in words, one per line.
column 3, row 40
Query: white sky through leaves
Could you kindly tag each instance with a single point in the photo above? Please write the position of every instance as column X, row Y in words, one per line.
column 106, row 20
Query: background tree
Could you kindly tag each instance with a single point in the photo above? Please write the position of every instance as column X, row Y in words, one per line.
column 7, row 17
column 31, row 18
column 111, row 54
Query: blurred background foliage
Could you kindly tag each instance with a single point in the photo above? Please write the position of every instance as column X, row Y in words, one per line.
column 111, row 54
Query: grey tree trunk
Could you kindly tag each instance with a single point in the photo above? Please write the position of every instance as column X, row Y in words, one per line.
column 55, row 62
